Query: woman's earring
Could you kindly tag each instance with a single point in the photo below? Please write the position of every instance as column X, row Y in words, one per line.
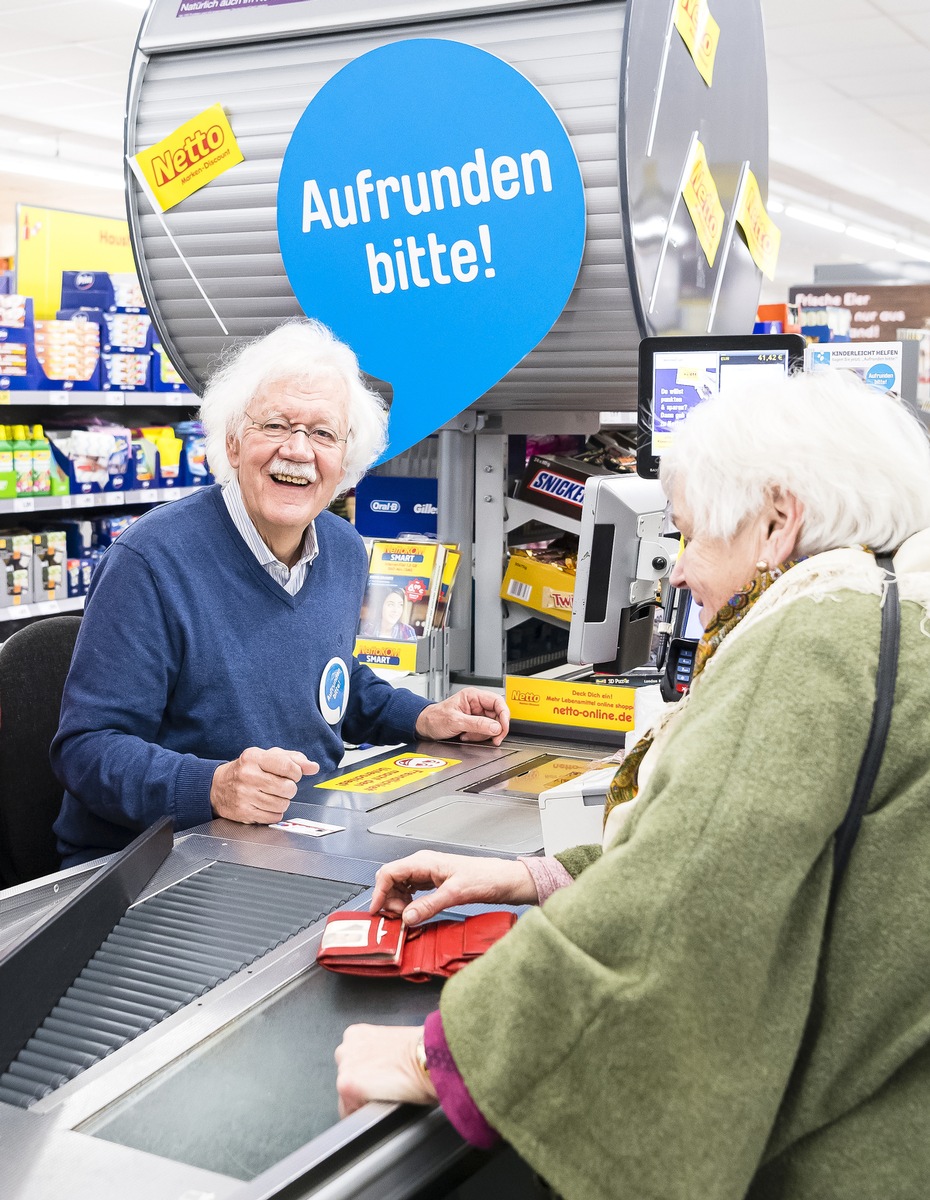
column 762, row 565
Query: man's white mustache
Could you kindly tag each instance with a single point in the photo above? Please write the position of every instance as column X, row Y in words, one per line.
column 302, row 470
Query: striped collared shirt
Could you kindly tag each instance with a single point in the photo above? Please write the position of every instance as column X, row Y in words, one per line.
column 290, row 578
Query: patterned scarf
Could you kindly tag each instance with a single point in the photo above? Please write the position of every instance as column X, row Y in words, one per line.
column 624, row 784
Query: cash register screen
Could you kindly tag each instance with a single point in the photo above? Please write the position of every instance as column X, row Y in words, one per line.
column 678, row 373
column 691, row 627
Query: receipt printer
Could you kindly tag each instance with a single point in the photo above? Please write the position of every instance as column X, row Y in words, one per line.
column 572, row 813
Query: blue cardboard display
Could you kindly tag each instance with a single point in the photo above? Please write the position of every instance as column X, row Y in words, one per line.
column 387, row 506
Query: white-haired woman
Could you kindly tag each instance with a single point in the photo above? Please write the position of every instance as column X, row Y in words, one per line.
column 705, row 1007
column 224, row 624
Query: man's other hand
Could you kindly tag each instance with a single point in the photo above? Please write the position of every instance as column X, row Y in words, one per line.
column 257, row 787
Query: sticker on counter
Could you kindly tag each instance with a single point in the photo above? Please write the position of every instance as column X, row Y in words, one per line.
column 390, row 775
column 310, row 828
column 585, row 705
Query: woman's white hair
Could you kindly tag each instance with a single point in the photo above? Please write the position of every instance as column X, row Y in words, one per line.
column 855, row 457
column 303, row 352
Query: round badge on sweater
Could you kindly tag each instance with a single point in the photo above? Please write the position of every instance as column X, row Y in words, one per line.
column 334, row 691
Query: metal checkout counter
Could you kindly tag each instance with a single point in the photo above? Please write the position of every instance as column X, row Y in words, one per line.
column 164, row 1029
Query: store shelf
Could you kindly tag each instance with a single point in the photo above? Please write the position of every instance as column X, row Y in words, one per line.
column 519, row 512
column 99, row 399
column 515, row 615
column 42, row 608
column 28, row 504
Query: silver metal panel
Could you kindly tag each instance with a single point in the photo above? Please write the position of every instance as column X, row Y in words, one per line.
column 471, row 823
column 176, row 23
column 571, row 53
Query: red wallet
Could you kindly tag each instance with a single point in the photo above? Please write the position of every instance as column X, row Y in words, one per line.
column 361, row 943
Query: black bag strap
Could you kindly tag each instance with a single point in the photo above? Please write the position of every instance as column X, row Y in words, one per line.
column 878, row 730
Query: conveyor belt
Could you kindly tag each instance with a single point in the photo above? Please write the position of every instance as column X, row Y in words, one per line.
column 164, row 953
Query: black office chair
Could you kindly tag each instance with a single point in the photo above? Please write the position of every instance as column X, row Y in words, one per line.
column 33, row 665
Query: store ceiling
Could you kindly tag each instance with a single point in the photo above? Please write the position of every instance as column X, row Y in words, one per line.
column 849, row 100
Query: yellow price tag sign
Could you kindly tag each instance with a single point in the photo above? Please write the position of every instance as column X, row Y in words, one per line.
column 703, row 203
column 700, row 33
column 763, row 237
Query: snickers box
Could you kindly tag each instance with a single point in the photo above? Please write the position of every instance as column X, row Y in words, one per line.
column 557, row 484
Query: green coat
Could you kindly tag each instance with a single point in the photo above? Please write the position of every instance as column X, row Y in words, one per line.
column 673, row 1026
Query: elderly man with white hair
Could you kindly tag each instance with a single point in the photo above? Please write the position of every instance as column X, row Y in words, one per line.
column 214, row 666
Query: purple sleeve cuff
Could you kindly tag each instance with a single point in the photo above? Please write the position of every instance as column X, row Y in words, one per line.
column 548, row 874
column 454, row 1096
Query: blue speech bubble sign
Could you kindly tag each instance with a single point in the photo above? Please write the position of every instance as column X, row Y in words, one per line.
column 431, row 212
column 880, row 376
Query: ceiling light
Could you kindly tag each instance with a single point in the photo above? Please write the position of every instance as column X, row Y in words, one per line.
column 909, row 250
column 872, row 236
column 810, row 216
column 62, row 171
column 139, row 5
column 775, row 205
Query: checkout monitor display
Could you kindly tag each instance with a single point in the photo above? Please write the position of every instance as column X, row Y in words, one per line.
column 678, row 373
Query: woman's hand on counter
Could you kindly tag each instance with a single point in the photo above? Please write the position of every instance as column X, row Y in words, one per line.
column 257, row 787
column 457, row 878
column 379, row 1062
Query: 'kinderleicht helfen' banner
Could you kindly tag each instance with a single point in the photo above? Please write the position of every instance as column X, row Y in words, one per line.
column 431, row 212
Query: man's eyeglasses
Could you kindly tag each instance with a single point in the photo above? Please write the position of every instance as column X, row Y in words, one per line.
column 279, row 429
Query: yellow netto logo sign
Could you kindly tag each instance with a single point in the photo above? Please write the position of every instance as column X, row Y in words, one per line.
column 194, row 149
column 187, row 159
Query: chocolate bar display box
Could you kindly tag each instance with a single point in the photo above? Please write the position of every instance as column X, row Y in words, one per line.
column 556, row 484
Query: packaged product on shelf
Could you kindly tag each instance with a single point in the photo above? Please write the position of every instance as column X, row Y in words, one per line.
column 22, row 460
column 18, row 366
column 68, row 355
column 16, row 567
column 73, row 580
column 543, row 579
column 195, row 470
column 170, row 448
column 101, row 289
column 144, row 460
column 126, row 331
column 557, row 484
column 41, row 462
column 79, row 535
column 165, row 377
column 157, row 452
column 48, row 565
column 14, row 359
column 16, row 313
column 88, row 566
column 108, row 529
column 7, row 473
column 125, row 372
column 95, row 459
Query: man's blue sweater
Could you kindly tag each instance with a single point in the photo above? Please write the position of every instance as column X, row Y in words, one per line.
column 189, row 653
